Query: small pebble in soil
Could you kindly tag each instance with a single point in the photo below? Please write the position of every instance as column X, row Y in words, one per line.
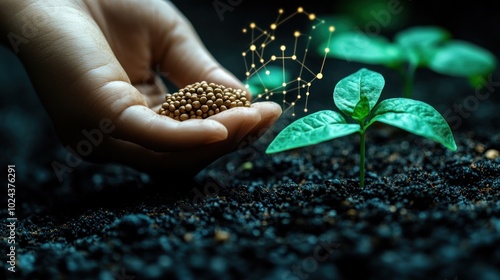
column 202, row 100
column 492, row 154
column 221, row 236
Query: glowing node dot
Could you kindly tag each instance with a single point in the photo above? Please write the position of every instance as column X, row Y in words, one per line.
column 303, row 86
column 299, row 96
column 299, row 78
column 247, row 86
column 273, row 26
column 292, row 104
column 253, row 65
column 300, row 9
column 263, row 45
column 283, row 84
column 323, row 21
column 331, row 28
column 319, row 76
column 312, row 16
column 261, row 60
column 307, row 93
column 327, row 50
column 259, row 96
column 296, row 33
column 265, row 32
column 244, row 30
column 253, row 47
column 267, row 97
column 294, row 57
column 314, row 27
column 305, row 110
column 244, row 54
column 271, row 93
column 268, row 72
column 272, row 38
column 308, row 84
column 247, row 73
column 284, row 92
column 252, row 25
column 293, row 114
column 273, row 57
column 280, row 11
column 266, row 90
column 283, row 47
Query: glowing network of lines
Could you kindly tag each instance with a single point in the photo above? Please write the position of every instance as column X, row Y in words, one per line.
column 257, row 60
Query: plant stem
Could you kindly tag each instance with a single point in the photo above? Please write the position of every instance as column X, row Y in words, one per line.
column 362, row 158
column 409, row 77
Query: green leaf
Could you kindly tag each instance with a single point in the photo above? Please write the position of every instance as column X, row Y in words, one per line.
column 312, row 129
column 357, row 94
column 357, row 46
column 362, row 109
column 462, row 59
column 416, row 117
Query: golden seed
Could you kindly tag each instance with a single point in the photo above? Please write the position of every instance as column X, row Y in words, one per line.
column 196, row 104
column 189, row 107
column 204, row 108
column 199, row 90
column 184, row 117
column 203, row 99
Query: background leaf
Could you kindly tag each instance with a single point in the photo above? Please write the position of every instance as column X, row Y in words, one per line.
column 357, row 46
column 312, row 129
column 416, row 117
column 421, row 36
column 352, row 89
column 462, row 59
column 419, row 42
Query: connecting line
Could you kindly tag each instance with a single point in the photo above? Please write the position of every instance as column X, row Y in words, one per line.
column 259, row 65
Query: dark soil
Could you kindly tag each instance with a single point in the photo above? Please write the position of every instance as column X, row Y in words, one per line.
column 425, row 213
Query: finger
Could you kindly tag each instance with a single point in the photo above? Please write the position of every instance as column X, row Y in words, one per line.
column 184, row 56
column 270, row 112
column 141, row 125
column 240, row 121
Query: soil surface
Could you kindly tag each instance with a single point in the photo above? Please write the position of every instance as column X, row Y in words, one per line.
column 425, row 212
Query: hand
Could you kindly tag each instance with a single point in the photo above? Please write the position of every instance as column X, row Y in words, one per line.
column 91, row 60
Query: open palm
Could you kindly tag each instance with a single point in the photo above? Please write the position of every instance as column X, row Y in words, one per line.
column 94, row 60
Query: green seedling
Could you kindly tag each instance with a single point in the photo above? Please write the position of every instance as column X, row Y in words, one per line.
column 356, row 96
column 416, row 47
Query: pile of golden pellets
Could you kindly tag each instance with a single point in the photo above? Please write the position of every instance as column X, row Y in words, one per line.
column 202, row 100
